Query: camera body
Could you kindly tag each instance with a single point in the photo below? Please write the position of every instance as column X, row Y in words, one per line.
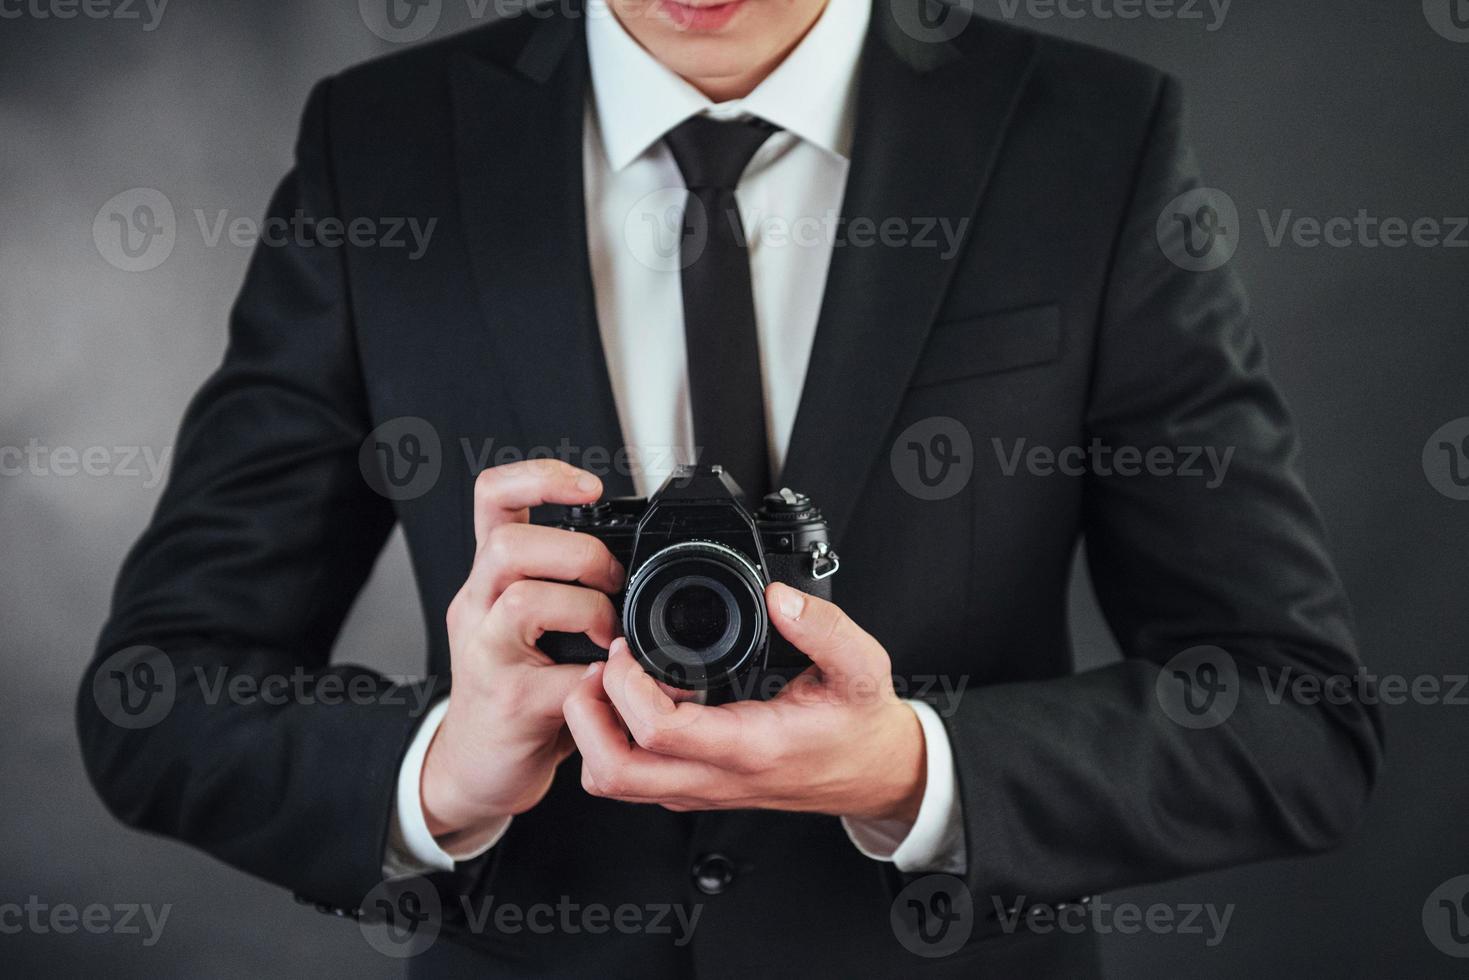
column 698, row 561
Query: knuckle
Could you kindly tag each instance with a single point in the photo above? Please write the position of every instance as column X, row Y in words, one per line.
column 833, row 628
column 614, row 779
column 518, row 600
column 486, row 487
column 593, row 554
column 588, row 781
column 650, row 735
column 454, row 612
column 500, row 545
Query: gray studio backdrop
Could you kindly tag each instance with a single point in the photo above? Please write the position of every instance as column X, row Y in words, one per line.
column 1316, row 110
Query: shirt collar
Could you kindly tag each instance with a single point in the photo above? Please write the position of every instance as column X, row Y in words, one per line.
column 811, row 94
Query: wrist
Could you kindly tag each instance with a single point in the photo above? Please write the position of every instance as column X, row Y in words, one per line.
column 447, row 810
column 901, row 767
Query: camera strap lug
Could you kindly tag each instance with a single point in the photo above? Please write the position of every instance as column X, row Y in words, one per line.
column 824, row 561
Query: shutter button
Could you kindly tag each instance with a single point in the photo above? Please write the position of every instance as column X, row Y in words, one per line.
column 713, row 873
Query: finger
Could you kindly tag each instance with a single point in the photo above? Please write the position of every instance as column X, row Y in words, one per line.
column 819, row 629
column 682, row 729
column 541, row 689
column 529, row 608
column 613, row 767
column 517, row 551
column 506, row 493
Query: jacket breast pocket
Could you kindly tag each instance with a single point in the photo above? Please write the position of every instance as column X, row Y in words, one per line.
column 988, row 344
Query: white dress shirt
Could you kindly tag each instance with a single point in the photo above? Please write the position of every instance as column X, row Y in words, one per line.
column 789, row 199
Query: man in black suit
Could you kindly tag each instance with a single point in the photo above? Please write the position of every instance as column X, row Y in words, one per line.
column 1007, row 264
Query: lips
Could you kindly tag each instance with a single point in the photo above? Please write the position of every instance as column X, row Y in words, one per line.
column 700, row 16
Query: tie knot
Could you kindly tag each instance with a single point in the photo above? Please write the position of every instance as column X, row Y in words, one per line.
column 713, row 153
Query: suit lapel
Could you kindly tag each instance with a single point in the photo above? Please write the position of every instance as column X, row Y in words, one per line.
column 518, row 130
column 930, row 120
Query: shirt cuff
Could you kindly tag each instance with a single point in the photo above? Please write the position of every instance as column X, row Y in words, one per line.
column 935, row 842
column 412, row 850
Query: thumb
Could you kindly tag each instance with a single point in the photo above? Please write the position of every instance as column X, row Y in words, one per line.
column 821, row 631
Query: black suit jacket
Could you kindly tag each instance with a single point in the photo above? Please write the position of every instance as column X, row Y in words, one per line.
column 1060, row 321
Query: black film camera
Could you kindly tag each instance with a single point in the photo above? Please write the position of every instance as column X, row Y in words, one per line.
column 698, row 562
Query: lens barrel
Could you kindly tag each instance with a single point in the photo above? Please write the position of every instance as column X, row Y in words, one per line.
column 695, row 615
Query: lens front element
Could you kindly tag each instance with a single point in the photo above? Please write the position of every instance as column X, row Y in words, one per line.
column 695, row 614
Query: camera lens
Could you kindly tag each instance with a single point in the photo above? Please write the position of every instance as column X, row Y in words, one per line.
column 695, row 614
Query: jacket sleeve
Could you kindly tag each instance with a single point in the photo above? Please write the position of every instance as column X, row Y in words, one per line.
column 262, row 539
column 1185, row 756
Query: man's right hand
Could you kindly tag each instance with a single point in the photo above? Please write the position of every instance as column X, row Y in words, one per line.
column 503, row 733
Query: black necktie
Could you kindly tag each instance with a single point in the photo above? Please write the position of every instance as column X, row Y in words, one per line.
column 719, row 308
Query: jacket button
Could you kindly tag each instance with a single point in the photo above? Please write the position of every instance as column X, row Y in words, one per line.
column 713, row 873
